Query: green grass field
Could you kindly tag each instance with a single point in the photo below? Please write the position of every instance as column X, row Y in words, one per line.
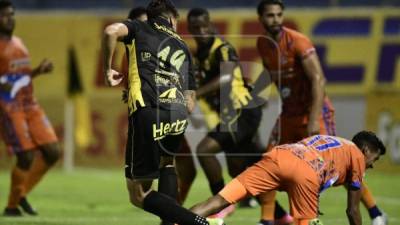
column 99, row 197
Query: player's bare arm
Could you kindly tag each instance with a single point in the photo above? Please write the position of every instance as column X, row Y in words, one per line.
column 314, row 72
column 45, row 66
column 113, row 33
column 211, row 86
column 215, row 84
column 190, row 98
column 353, row 210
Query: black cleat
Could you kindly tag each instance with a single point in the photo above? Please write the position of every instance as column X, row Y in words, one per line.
column 27, row 207
column 12, row 212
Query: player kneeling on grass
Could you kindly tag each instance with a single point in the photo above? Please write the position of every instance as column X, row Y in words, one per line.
column 304, row 170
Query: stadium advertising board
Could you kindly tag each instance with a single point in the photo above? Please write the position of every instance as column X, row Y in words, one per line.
column 384, row 118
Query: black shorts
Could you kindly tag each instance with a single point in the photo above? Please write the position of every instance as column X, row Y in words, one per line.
column 237, row 130
column 152, row 133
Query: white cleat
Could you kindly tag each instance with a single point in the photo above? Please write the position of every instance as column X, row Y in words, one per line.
column 380, row 220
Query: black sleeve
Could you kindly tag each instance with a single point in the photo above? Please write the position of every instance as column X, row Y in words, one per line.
column 133, row 28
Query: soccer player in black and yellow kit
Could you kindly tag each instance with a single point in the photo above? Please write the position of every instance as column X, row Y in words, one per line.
column 184, row 163
column 223, row 87
column 160, row 94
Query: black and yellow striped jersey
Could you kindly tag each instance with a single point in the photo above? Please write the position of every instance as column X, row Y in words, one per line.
column 160, row 66
column 208, row 60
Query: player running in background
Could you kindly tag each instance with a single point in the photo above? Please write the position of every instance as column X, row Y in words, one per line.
column 161, row 93
column 294, row 67
column 222, row 86
column 304, row 170
column 23, row 123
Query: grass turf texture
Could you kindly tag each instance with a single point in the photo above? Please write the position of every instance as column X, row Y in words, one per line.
column 88, row 196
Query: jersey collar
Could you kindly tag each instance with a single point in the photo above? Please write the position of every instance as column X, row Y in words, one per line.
column 204, row 51
column 163, row 25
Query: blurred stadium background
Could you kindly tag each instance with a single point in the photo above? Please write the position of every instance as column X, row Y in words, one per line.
column 358, row 42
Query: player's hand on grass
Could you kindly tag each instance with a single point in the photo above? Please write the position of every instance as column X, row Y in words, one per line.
column 113, row 77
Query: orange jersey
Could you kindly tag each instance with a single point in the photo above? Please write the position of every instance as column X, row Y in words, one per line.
column 23, row 124
column 336, row 160
column 302, row 170
column 283, row 60
column 15, row 72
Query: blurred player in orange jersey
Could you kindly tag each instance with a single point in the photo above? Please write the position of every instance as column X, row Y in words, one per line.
column 304, row 170
column 24, row 125
column 294, row 67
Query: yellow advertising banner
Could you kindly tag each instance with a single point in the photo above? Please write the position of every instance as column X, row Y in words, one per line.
column 383, row 116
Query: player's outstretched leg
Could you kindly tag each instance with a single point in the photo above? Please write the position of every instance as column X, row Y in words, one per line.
column 141, row 195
